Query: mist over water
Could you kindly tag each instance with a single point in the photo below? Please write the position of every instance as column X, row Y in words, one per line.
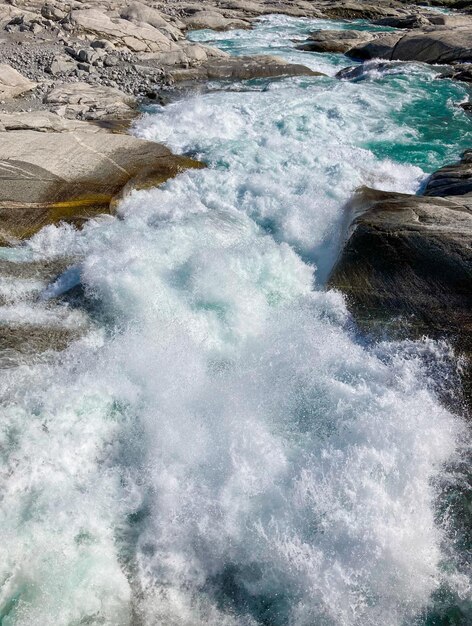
column 221, row 448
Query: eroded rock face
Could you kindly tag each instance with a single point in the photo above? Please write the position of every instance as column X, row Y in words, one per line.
column 46, row 178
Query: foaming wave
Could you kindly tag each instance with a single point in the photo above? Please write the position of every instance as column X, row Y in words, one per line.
column 230, row 447
column 289, row 158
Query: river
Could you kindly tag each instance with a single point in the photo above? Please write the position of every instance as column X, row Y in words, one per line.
column 222, row 447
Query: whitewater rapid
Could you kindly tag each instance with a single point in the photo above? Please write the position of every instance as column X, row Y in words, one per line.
column 221, row 448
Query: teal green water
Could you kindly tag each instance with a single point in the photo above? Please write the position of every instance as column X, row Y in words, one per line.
column 431, row 129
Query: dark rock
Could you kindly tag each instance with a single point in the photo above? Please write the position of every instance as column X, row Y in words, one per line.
column 406, row 267
column 460, row 71
column 403, row 21
column 358, row 10
column 452, row 180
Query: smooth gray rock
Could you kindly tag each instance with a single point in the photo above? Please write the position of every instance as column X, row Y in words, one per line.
column 12, row 83
column 45, row 122
column 138, row 38
column 440, row 45
column 213, row 20
column 141, row 14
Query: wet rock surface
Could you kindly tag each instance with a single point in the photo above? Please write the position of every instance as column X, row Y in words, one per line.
column 406, row 267
column 46, row 178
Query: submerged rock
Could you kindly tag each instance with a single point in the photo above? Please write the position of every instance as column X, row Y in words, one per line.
column 49, row 177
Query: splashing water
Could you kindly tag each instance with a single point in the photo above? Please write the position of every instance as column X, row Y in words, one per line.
column 220, row 449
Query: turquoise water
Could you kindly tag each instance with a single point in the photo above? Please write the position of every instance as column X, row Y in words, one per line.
column 430, row 128
column 219, row 448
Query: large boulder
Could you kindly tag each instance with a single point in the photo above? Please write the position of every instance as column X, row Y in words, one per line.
column 440, row 45
column 121, row 32
column 188, row 55
column 213, row 20
column 423, row 20
column 358, row 10
column 406, row 267
column 243, row 68
column 336, row 40
column 12, row 83
column 46, row 178
column 70, row 100
column 141, row 14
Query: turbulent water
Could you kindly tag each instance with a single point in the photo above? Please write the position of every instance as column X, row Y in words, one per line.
column 220, row 448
